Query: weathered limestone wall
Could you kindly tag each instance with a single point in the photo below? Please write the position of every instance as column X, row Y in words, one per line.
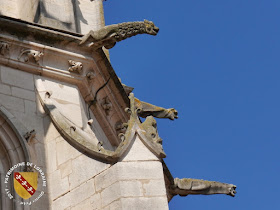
column 73, row 15
column 75, row 180
column 68, row 171
column 137, row 182
column 17, row 95
column 89, row 15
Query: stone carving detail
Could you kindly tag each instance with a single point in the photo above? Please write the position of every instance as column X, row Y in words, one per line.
column 108, row 36
column 75, row 66
column 29, row 135
column 4, row 48
column 106, row 105
column 31, row 54
column 83, row 139
column 90, row 75
column 100, row 145
column 149, row 126
column 120, row 127
column 185, row 187
column 147, row 109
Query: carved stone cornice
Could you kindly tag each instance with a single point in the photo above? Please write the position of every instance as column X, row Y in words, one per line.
column 30, row 54
column 58, row 47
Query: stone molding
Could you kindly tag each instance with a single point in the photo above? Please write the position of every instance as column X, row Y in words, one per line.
column 4, row 48
column 96, row 68
column 83, row 141
column 16, row 127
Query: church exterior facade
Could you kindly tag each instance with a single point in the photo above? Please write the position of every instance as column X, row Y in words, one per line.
column 70, row 134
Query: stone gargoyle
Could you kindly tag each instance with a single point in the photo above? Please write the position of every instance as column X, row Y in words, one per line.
column 108, row 36
column 185, row 187
column 147, row 109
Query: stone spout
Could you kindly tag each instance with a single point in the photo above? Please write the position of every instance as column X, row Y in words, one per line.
column 184, row 187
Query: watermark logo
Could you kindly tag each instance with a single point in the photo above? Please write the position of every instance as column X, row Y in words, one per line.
column 25, row 184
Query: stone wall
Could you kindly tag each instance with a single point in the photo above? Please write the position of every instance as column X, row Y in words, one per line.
column 47, row 83
column 79, row 16
column 137, row 182
column 75, row 180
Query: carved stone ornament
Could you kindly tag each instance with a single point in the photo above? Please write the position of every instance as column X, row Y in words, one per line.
column 90, row 75
column 106, row 105
column 82, row 140
column 146, row 130
column 147, row 109
column 108, row 36
column 186, row 186
column 29, row 55
column 75, row 66
column 120, row 127
column 29, row 135
column 4, row 48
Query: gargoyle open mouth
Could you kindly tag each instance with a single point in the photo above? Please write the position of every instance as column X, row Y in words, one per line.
column 232, row 191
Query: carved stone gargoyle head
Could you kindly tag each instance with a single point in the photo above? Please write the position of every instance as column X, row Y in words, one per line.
column 150, row 27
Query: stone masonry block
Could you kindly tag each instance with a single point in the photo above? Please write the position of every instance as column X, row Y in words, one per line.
column 139, row 151
column 82, row 192
column 17, row 78
column 110, row 194
column 12, row 103
column 58, row 186
column 140, row 170
column 5, row 89
column 95, row 201
column 75, row 197
column 145, row 170
column 131, row 188
column 154, row 187
column 66, row 168
column 121, row 189
column 83, row 205
column 30, row 107
column 154, row 203
column 84, row 168
column 116, row 205
column 24, row 94
column 51, row 156
column 65, row 152
column 106, row 178
column 50, row 131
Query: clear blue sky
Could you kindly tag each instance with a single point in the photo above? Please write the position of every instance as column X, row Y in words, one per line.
column 217, row 62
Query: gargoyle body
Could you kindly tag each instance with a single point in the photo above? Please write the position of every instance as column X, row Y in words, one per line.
column 150, row 126
column 34, row 54
column 147, row 109
column 109, row 35
column 185, row 187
